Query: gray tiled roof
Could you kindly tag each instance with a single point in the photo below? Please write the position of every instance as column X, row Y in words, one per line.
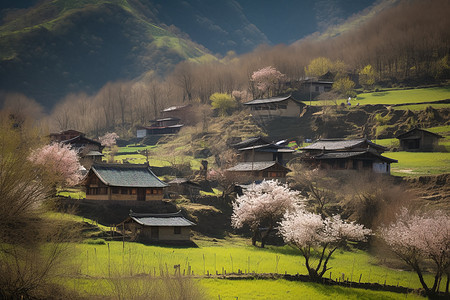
column 270, row 100
column 127, row 175
column 170, row 219
column 94, row 153
column 268, row 148
column 348, row 154
column 252, row 141
column 338, row 144
column 254, row 166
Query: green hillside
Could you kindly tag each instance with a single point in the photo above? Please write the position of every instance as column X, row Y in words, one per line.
column 64, row 46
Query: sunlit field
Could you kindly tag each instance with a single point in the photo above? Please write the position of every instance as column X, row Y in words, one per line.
column 394, row 97
column 225, row 257
column 419, row 163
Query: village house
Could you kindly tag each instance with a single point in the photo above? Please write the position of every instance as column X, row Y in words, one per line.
column 316, row 87
column 259, row 170
column 129, row 182
column 185, row 113
column 356, row 154
column 419, row 140
column 254, row 141
column 89, row 151
column 183, row 186
column 157, row 227
column 275, row 107
column 160, row 127
column 64, row 135
column 261, row 149
column 260, row 159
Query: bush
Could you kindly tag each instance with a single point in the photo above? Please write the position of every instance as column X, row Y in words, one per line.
column 95, row 242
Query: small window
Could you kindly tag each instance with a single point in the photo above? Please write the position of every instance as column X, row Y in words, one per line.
column 115, row 190
column 124, row 191
column 177, row 230
column 133, row 191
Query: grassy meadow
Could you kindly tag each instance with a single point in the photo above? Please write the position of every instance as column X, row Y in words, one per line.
column 408, row 98
column 419, row 163
column 288, row 290
column 96, row 263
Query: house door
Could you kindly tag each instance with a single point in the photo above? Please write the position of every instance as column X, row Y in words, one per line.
column 155, row 233
column 141, row 194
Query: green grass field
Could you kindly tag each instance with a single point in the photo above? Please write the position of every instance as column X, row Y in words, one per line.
column 283, row 289
column 133, row 260
column 419, row 163
column 230, row 257
column 399, row 97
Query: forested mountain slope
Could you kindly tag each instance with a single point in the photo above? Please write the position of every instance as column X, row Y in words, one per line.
column 51, row 48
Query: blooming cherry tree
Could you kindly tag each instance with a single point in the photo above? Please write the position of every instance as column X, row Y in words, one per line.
column 268, row 80
column 415, row 238
column 59, row 163
column 310, row 233
column 264, row 204
column 109, row 139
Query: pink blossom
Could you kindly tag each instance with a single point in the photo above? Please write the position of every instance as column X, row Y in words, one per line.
column 264, row 203
column 416, row 237
column 59, row 162
column 267, row 79
column 309, row 232
column 109, row 139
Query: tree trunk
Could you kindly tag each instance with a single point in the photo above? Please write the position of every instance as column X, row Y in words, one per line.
column 254, row 237
column 264, row 236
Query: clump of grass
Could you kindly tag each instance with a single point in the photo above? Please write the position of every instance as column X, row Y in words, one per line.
column 95, row 242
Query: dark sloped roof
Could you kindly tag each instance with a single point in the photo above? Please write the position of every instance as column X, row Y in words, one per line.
column 259, row 140
column 161, row 127
column 168, row 219
column 128, row 175
column 268, row 148
column 81, row 139
column 255, row 166
column 348, row 154
column 271, row 100
column 417, row 130
column 175, row 108
column 94, row 153
column 339, row 144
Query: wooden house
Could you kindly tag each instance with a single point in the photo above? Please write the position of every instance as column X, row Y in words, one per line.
column 251, row 171
column 160, row 127
column 130, row 182
column 269, row 152
column 332, row 145
column 158, row 227
column 339, row 154
column 419, row 140
column 275, row 107
column 317, row 86
column 183, row 186
column 89, row 151
column 261, row 149
column 254, row 141
column 187, row 114
column 64, row 135
column 352, row 160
